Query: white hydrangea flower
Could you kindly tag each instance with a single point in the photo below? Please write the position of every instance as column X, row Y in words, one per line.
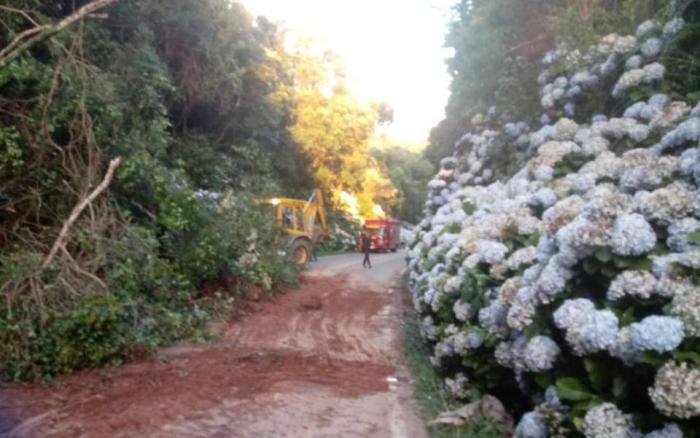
column 657, row 333
column 565, row 129
column 436, row 184
column 464, row 342
column 686, row 307
column 646, row 27
column 503, row 355
column 547, row 101
column 645, row 170
column 572, row 312
column 635, row 110
column 651, row 47
column 617, row 128
column 525, row 224
column 573, row 91
column 625, row 44
column 458, row 386
column 633, row 62
column 583, row 78
column 653, row 72
column 493, row 317
column 562, row 213
column 646, row 75
column 540, row 354
column 523, row 308
column 676, row 390
column 544, row 197
column 544, row 173
column 689, row 164
column 607, row 421
column 462, row 310
column 637, row 284
column 488, row 251
column 570, row 109
column 523, row 256
column 605, row 165
column 428, row 328
column 667, row 204
column 673, row 27
column 552, row 280
column 596, row 331
column 452, row 284
column 679, row 231
column 670, row 430
column 507, row 290
column 629, row 79
column 623, row 348
column 671, row 285
column 668, row 116
column 531, row 425
column 598, row 117
column 610, row 65
column 581, row 182
column 686, row 132
column 632, row 235
column 557, row 93
column 666, row 265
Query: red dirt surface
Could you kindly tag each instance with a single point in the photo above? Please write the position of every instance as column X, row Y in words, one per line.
column 310, row 362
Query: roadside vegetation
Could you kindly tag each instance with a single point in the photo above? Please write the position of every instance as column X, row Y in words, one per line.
column 558, row 263
column 430, row 392
column 136, row 140
column 409, row 172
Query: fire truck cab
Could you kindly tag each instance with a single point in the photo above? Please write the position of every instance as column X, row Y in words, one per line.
column 384, row 234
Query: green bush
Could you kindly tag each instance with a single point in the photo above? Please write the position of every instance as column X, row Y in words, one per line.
column 90, row 333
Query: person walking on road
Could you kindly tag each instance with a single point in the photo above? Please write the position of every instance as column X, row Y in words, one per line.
column 316, row 240
column 365, row 246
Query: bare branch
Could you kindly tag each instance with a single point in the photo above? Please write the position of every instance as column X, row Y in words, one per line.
column 22, row 12
column 25, row 40
column 78, row 209
column 79, row 270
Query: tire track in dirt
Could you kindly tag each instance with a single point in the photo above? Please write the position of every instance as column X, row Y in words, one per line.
column 319, row 361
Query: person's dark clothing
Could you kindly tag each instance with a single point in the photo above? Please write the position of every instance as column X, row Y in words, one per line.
column 366, row 246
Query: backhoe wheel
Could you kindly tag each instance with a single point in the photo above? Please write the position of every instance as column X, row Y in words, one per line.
column 301, row 252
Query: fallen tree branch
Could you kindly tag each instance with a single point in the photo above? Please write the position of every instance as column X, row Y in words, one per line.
column 78, row 209
column 25, row 40
column 79, row 270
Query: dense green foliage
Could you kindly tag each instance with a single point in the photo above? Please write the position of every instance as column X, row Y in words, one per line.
column 191, row 96
column 409, row 172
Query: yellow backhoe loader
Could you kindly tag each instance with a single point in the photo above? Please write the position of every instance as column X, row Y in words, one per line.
column 304, row 222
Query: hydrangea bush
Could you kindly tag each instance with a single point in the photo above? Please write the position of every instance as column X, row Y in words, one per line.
column 572, row 288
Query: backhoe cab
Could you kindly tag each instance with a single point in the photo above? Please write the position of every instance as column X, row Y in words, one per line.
column 304, row 222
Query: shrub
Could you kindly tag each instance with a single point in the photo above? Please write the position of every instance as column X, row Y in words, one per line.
column 91, row 332
column 574, row 283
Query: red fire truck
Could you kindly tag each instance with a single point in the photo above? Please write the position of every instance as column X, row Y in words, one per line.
column 384, row 234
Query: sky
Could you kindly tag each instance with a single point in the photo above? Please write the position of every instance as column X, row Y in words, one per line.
column 392, row 51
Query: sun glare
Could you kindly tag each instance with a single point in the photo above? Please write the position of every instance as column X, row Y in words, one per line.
column 392, row 51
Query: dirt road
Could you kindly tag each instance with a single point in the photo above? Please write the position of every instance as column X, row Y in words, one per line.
column 320, row 361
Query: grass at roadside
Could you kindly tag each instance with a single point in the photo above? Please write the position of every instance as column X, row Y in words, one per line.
column 430, row 393
column 324, row 251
